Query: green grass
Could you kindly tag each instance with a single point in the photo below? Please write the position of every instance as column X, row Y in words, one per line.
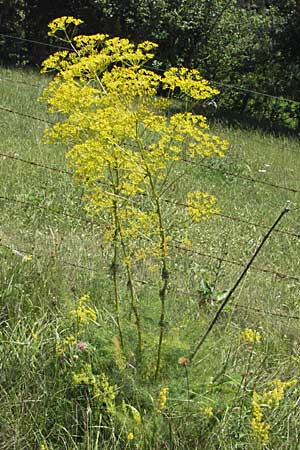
column 39, row 404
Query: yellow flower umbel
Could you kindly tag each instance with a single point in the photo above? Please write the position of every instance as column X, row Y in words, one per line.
column 115, row 133
column 162, row 399
column 207, row 411
column 189, row 81
column 84, row 313
column 98, row 385
column 65, row 344
column 61, row 23
column 200, row 205
column 250, row 336
column 130, row 436
column 263, row 402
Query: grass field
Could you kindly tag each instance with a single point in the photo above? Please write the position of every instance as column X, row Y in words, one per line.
column 52, row 253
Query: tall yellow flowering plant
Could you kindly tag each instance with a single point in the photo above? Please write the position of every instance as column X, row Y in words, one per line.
column 125, row 150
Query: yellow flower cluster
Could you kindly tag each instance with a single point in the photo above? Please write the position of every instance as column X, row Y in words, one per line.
column 200, row 205
column 268, row 399
column 250, row 336
column 86, row 376
column 27, row 258
column 130, row 436
column 61, row 23
column 63, row 346
column 121, row 143
column 84, row 313
column 189, row 82
column 162, row 399
column 207, row 411
column 100, row 387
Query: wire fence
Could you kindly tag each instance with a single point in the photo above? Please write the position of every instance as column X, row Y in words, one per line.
column 47, row 208
column 21, row 253
column 28, row 116
column 32, row 41
column 13, row 81
column 198, row 164
column 176, row 244
column 243, row 177
column 35, row 164
column 288, row 233
column 217, row 83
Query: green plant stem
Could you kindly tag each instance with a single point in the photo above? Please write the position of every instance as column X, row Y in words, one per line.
column 164, row 275
column 163, row 253
column 115, row 274
column 128, row 268
column 132, row 292
column 187, row 385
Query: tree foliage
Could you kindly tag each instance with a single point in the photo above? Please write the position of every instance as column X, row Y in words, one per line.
column 12, row 21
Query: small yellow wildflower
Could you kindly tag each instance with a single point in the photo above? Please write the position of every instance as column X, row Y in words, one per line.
column 268, row 399
column 274, row 396
column 130, row 436
column 86, row 376
column 200, row 205
column 84, row 313
column 61, row 24
column 162, row 399
column 207, row 411
column 27, row 258
column 62, row 347
column 250, row 336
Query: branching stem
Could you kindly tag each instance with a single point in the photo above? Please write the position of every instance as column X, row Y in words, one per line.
column 163, row 255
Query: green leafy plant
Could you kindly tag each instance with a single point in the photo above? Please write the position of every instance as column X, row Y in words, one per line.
column 127, row 153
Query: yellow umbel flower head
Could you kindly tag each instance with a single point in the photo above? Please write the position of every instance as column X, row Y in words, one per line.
column 250, row 336
column 162, row 399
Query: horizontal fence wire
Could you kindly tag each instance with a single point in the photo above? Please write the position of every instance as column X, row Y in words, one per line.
column 172, row 202
column 238, row 219
column 268, row 313
column 48, row 208
column 24, row 254
column 28, row 116
column 35, row 163
column 214, row 169
column 230, row 86
column 243, row 177
column 32, row 41
column 177, row 245
column 236, row 263
column 11, row 80
column 251, row 91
